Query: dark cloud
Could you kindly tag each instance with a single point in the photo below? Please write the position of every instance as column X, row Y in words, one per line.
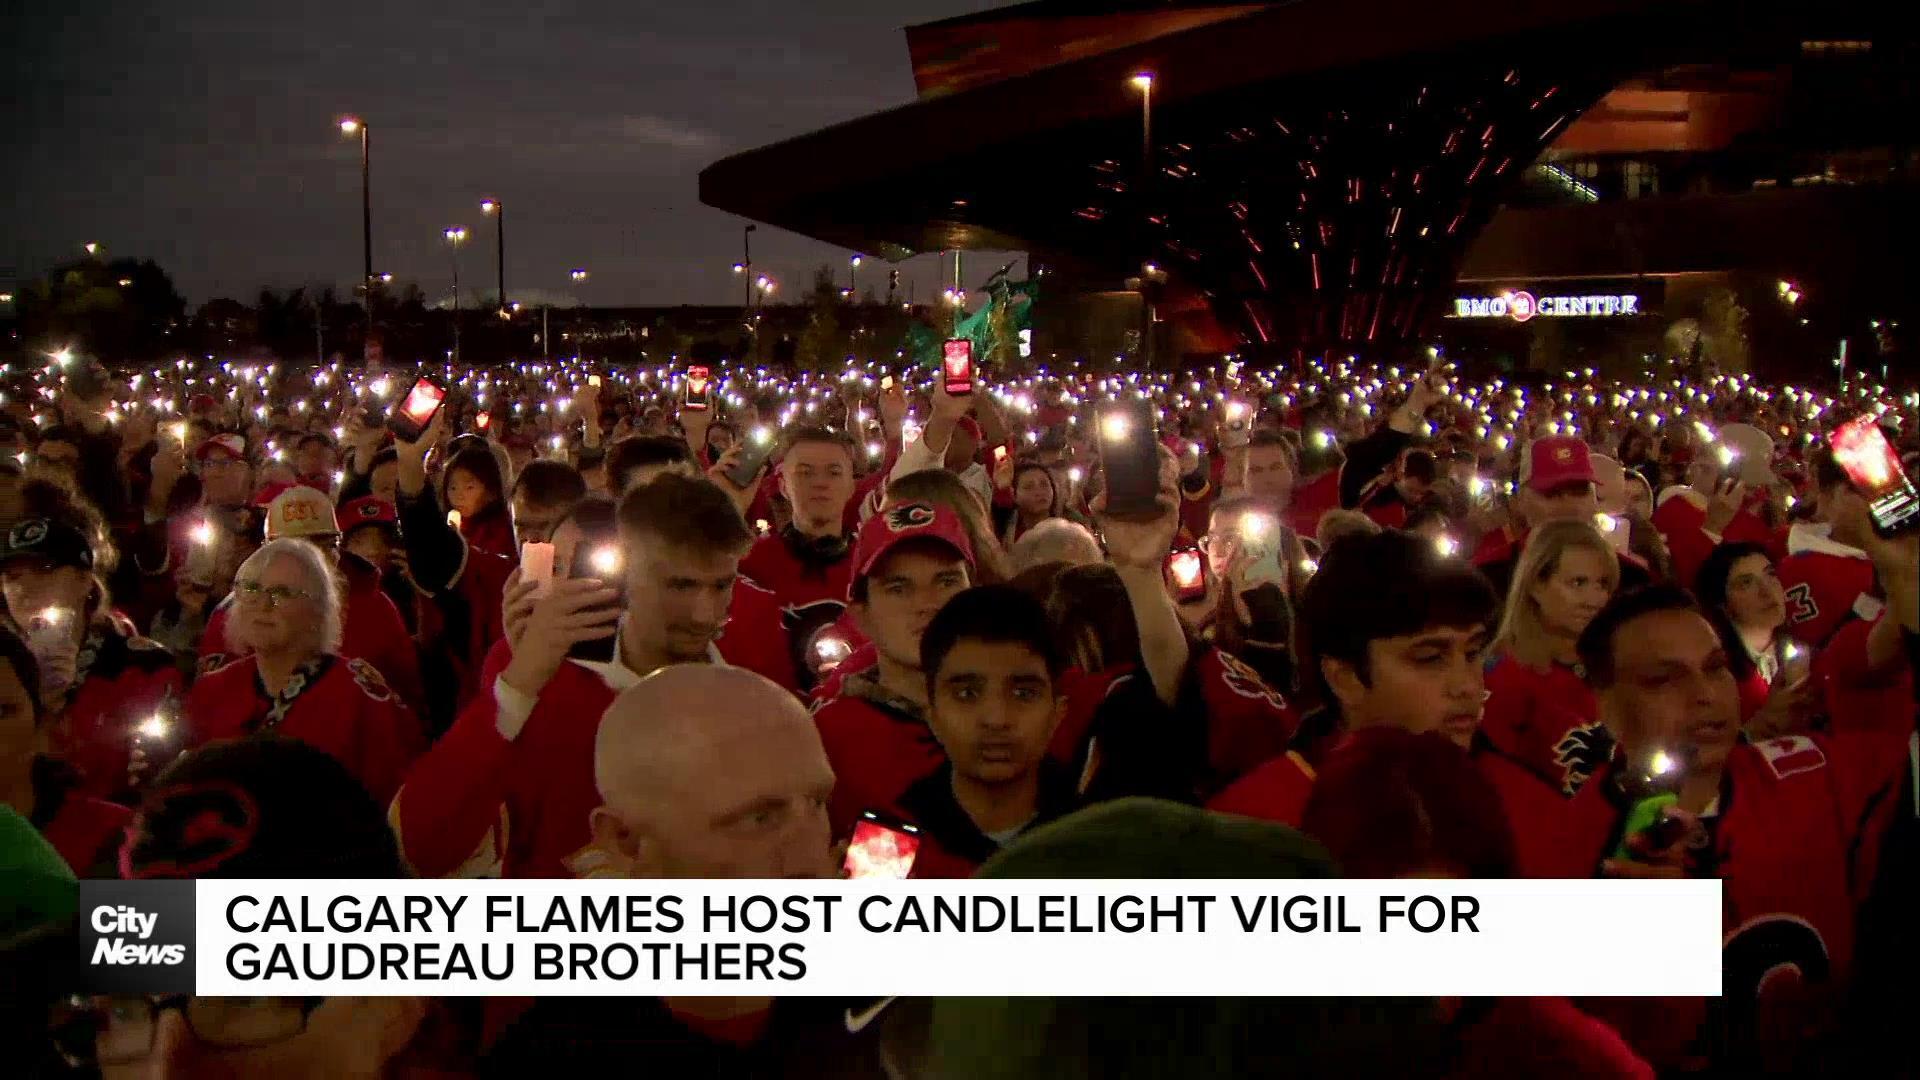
column 202, row 134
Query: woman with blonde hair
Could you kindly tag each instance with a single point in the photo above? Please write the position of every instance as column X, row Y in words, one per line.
column 293, row 680
column 1540, row 711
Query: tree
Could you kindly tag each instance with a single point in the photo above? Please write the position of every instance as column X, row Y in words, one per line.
column 823, row 344
column 120, row 311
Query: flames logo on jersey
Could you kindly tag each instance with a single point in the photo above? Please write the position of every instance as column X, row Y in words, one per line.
column 1580, row 753
column 368, row 678
column 1247, row 682
column 909, row 516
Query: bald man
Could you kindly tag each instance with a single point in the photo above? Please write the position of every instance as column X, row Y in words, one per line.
column 704, row 772
column 710, row 772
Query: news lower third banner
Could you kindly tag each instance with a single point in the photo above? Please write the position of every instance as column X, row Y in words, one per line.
column 910, row 938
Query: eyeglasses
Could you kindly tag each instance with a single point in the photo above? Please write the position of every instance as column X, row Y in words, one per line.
column 120, row 1030
column 274, row 595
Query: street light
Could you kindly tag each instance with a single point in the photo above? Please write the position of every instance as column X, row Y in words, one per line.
column 455, row 235
column 1143, row 82
column 351, row 126
column 93, row 249
column 499, row 211
column 579, row 275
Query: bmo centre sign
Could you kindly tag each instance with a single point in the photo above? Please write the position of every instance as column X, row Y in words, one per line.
column 1522, row 306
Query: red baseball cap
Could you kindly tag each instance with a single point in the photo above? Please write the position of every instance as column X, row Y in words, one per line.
column 896, row 525
column 368, row 510
column 1555, row 462
column 228, row 444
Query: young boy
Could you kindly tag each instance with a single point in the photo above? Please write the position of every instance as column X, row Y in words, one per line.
column 908, row 561
column 993, row 701
column 1394, row 633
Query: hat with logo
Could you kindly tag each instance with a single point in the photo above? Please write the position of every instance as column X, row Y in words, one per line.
column 228, row 446
column 367, row 510
column 1555, row 462
column 261, row 807
column 895, row 525
column 46, row 538
column 300, row 511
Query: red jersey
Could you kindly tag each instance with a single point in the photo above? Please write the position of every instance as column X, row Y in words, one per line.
column 1827, row 583
column 1276, row 791
column 1530, row 714
column 1554, row 835
column 122, row 680
column 1312, row 500
column 1853, row 696
column 797, row 581
column 755, row 638
column 1681, row 519
column 339, row 705
column 371, row 630
column 1248, row 722
column 1796, row 842
column 479, row 804
column 1501, row 545
column 878, row 745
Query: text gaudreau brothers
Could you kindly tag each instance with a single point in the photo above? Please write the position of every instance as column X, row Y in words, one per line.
column 276, row 958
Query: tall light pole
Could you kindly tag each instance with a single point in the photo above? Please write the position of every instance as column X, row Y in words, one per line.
column 746, row 262
column 1143, row 82
column 353, row 125
column 499, row 212
column 456, row 235
column 579, row 276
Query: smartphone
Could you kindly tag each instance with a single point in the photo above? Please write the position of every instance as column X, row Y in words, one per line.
column 1235, row 432
column 1260, row 541
column 410, row 420
column 1862, row 450
column 483, row 421
column 999, row 456
column 886, row 383
column 699, row 393
column 602, row 561
column 883, row 848
column 1729, row 459
column 958, row 356
column 593, row 380
column 536, row 565
column 1616, row 528
column 1186, row 573
column 753, row 457
column 1647, row 787
column 1130, row 453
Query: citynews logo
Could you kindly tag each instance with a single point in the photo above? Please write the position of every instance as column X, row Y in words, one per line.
column 137, row 936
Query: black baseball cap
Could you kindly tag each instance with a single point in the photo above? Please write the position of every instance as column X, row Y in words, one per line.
column 45, row 538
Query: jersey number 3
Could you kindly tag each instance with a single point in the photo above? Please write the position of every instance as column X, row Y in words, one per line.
column 1801, row 597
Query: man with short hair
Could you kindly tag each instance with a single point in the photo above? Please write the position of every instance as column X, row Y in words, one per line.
column 516, row 752
column 1556, row 484
column 807, row 565
column 542, row 494
column 636, row 459
column 908, row 561
column 1395, row 633
column 1792, row 826
column 993, row 702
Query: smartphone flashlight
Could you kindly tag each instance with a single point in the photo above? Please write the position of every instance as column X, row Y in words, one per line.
column 1186, row 569
column 453, row 519
column 606, row 561
column 1446, row 545
column 202, row 533
column 1114, row 427
column 154, row 727
column 593, row 380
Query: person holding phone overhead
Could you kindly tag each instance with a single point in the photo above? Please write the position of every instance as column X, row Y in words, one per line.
column 510, row 782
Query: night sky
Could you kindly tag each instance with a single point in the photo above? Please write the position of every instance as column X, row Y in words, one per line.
column 204, row 135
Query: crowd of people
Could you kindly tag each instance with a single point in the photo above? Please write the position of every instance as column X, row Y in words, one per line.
column 654, row 623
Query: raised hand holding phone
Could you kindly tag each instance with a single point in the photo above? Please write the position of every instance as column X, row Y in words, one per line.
column 574, row 610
